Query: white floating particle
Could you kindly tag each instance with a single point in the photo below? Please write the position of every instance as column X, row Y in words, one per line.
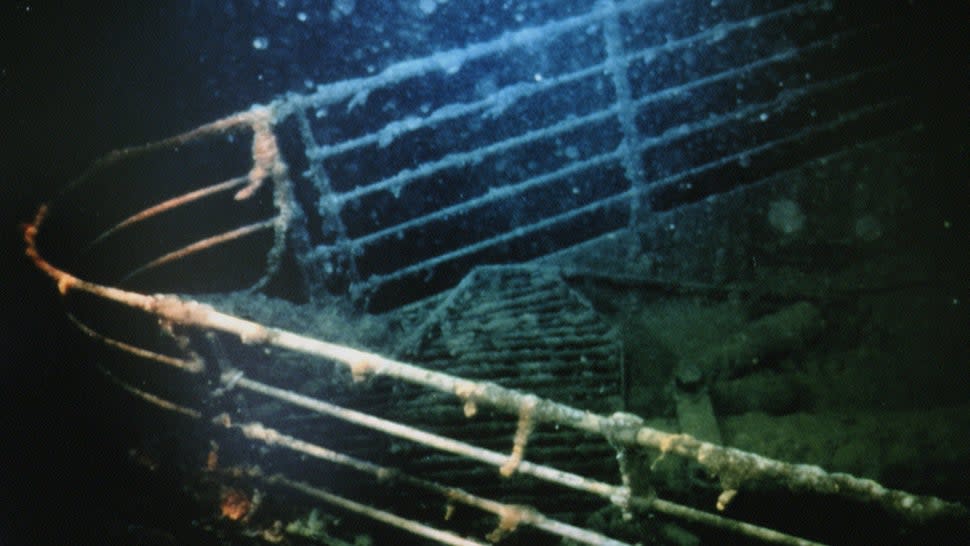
column 427, row 6
column 260, row 42
column 345, row 7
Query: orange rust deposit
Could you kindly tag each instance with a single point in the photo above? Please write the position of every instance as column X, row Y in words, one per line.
column 212, row 459
column 234, row 504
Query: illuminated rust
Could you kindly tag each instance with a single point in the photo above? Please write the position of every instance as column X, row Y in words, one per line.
column 234, row 504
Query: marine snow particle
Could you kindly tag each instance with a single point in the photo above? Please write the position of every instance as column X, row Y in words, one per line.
column 786, row 216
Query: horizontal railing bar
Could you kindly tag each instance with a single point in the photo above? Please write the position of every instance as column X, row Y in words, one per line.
column 404, row 177
column 376, row 280
column 383, row 516
column 676, row 132
column 203, row 244
column 735, row 467
column 146, row 396
column 269, row 436
column 578, row 166
column 429, row 439
column 358, row 88
column 169, row 204
column 495, row 194
column 617, row 494
column 521, row 90
column 842, row 119
column 194, row 365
